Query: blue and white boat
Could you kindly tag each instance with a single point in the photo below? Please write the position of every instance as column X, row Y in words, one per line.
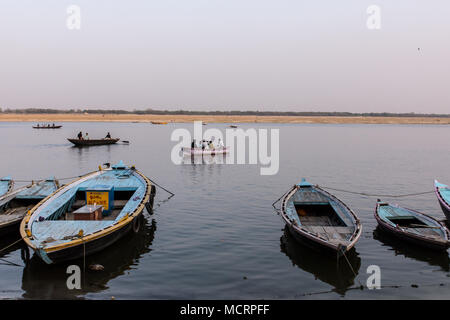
column 443, row 195
column 14, row 205
column 88, row 214
column 315, row 216
column 412, row 226
column 6, row 185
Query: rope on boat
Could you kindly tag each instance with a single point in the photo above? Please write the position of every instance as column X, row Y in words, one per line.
column 9, row 246
column 276, row 201
column 379, row 195
column 169, row 192
column 351, row 268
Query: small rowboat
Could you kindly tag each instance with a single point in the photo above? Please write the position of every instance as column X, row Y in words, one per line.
column 412, row 226
column 199, row 151
column 443, row 195
column 14, row 205
column 93, row 142
column 158, row 122
column 47, row 127
column 88, row 214
column 6, row 185
column 316, row 217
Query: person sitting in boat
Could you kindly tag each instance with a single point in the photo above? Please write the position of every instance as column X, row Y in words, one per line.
column 108, row 136
column 204, row 145
column 87, row 136
column 80, row 135
column 211, row 145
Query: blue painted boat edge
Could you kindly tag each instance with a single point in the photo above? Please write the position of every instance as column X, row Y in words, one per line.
column 445, row 206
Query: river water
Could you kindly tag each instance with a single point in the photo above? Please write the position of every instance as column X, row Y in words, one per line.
column 219, row 237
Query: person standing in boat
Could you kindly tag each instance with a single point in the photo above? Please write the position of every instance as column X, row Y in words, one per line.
column 193, row 144
column 80, row 135
column 220, row 144
column 204, row 145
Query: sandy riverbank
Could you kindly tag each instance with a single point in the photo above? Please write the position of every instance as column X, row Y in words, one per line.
column 51, row 118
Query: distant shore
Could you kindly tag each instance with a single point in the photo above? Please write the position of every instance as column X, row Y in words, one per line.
column 54, row 118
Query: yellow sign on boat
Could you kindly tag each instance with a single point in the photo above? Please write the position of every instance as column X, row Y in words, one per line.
column 99, row 198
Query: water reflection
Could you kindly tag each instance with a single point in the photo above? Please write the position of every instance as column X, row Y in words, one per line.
column 41, row 281
column 205, row 159
column 324, row 267
column 433, row 258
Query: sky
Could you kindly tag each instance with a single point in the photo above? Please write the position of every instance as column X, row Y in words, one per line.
column 267, row 55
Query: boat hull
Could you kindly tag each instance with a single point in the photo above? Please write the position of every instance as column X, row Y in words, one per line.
column 308, row 241
column 197, row 151
column 444, row 206
column 12, row 227
column 43, row 127
column 410, row 237
column 87, row 248
column 92, row 142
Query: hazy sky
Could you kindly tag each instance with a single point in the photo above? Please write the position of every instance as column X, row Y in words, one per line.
column 226, row 55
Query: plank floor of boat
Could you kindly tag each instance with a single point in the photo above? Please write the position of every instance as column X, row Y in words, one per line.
column 325, row 228
column 13, row 214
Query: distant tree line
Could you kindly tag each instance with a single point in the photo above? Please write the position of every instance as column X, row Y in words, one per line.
column 221, row 113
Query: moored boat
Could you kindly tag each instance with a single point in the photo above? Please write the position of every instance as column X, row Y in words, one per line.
column 412, row 226
column 47, row 126
column 158, row 122
column 316, row 217
column 14, row 205
column 93, row 142
column 200, row 151
column 88, row 214
column 6, row 185
column 443, row 195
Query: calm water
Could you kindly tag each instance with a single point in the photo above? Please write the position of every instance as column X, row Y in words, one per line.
column 219, row 236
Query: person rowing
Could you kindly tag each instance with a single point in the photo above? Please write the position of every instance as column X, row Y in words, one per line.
column 108, row 136
column 80, row 135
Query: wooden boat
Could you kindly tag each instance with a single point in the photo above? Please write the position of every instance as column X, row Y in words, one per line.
column 14, row 205
column 47, row 127
column 316, row 217
column 93, row 142
column 233, row 126
column 158, row 122
column 443, row 195
column 89, row 214
column 6, row 185
column 412, row 226
column 199, row 151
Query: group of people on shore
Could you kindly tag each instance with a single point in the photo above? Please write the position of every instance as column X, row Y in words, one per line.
column 86, row 136
column 207, row 144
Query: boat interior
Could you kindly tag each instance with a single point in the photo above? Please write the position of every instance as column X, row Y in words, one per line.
column 119, row 192
column 320, row 215
column 410, row 220
column 120, row 200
